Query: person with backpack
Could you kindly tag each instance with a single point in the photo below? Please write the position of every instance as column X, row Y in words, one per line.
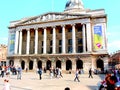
column 40, row 73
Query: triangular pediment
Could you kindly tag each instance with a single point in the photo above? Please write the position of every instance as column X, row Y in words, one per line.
column 49, row 17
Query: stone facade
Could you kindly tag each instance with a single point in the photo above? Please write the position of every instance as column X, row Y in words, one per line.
column 68, row 40
column 3, row 55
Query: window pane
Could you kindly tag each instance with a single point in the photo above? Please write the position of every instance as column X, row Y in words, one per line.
column 69, row 41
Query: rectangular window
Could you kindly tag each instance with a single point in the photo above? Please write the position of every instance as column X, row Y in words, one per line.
column 69, row 49
column 69, row 41
column 80, row 49
column 79, row 40
column 60, row 42
column 51, row 43
column 41, row 50
column 42, row 43
column 50, row 50
column 60, row 49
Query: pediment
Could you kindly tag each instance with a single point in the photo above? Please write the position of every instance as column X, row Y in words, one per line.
column 49, row 17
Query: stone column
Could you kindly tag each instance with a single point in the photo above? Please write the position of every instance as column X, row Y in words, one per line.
column 16, row 42
column 63, row 40
column 28, row 42
column 104, row 36
column 36, row 41
column 73, row 39
column 63, row 64
column 84, row 38
column 20, row 44
column 89, row 41
column 54, row 41
column 35, row 64
column 45, row 41
column 73, row 65
column 26, row 64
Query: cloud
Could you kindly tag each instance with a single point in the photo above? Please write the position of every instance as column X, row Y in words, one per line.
column 4, row 40
column 114, row 46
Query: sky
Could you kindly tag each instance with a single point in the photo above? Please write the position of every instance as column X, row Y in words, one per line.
column 12, row 10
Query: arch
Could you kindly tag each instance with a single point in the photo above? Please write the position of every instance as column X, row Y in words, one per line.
column 30, row 65
column 58, row 64
column 39, row 64
column 48, row 64
column 23, row 65
column 68, row 65
column 100, row 64
column 79, row 64
column 11, row 63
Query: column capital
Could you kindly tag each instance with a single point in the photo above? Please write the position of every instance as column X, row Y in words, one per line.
column 53, row 26
column 36, row 28
column 63, row 25
column 73, row 24
column 44, row 27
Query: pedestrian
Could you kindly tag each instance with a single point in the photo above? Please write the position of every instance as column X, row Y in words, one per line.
column 51, row 73
column 6, row 85
column 40, row 73
column 2, row 71
column 19, row 74
column 60, row 71
column 90, row 73
column 76, row 75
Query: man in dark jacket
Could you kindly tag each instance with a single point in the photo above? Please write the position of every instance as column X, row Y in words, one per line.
column 40, row 73
column 90, row 73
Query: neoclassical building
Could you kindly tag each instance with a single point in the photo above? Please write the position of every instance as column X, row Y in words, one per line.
column 72, row 39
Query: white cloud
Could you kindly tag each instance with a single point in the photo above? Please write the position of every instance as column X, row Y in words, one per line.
column 4, row 40
column 114, row 46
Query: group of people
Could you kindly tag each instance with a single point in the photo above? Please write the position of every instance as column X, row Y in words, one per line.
column 77, row 74
column 6, row 71
column 53, row 72
column 111, row 81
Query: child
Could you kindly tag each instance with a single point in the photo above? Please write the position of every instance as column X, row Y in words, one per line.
column 6, row 85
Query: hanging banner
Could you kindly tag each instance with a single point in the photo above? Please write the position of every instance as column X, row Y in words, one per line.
column 98, row 37
column 12, row 43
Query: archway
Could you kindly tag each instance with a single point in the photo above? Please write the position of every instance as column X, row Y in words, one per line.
column 68, row 65
column 100, row 64
column 23, row 65
column 11, row 63
column 30, row 65
column 58, row 64
column 79, row 64
column 48, row 65
column 39, row 64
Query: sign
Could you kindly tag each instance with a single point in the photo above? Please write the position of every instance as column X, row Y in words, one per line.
column 98, row 37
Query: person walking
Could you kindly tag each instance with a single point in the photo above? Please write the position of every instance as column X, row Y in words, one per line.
column 6, row 85
column 76, row 75
column 90, row 73
column 40, row 73
column 19, row 74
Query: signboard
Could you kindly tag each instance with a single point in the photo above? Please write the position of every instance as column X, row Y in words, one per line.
column 98, row 37
column 12, row 43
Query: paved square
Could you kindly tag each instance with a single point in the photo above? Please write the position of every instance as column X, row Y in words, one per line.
column 30, row 81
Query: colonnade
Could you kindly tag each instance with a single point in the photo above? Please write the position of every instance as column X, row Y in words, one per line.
column 86, row 39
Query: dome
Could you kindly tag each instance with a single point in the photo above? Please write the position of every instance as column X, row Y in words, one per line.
column 74, row 4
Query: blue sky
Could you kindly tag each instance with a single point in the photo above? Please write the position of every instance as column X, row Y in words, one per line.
column 11, row 10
